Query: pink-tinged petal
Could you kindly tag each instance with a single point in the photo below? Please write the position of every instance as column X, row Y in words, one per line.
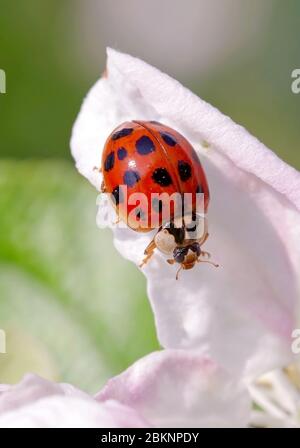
column 39, row 403
column 178, row 388
column 33, row 388
column 59, row 411
column 243, row 313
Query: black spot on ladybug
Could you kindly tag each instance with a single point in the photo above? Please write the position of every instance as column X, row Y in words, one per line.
column 117, row 195
column 157, row 205
column 199, row 189
column 131, row 178
column 122, row 153
column 144, row 145
column 139, row 214
column 162, row 177
column 168, row 139
column 184, row 170
column 109, row 161
column 121, row 133
column 156, row 122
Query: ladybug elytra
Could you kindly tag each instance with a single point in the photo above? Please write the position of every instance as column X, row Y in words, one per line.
column 153, row 162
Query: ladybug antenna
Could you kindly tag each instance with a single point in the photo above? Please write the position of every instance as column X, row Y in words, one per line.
column 209, row 262
column 177, row 273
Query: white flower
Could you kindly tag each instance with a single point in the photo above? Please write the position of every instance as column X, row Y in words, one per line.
column 38, row 403
column 180, row 388
column 170, row 388
column 242, row 314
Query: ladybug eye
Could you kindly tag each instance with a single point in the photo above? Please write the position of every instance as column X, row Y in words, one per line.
column 179, row 253
column 195, row 247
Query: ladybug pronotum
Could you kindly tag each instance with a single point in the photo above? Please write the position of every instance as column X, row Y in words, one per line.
column 151, row 158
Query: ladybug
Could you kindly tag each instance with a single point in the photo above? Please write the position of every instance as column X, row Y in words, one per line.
column 153, row 159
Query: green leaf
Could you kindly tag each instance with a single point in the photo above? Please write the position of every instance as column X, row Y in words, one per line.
column 72, row 308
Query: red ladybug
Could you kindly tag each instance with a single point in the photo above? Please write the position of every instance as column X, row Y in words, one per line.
column 151, row 158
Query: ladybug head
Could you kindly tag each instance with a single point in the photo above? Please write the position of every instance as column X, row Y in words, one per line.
column 176, row 242
column 172, row 242
column 187, row 255
column 174, row 239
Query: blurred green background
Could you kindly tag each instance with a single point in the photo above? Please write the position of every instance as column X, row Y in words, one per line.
column 73, row 310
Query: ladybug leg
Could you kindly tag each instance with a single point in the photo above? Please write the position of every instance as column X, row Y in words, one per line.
column 172, row 261
column 117, row 221
column 149, row 251
column 207, row 261
column 96, row 168
column 103, row 187
column 203, row 239
column 205, row 254
column 205, row 233
column 177, row 273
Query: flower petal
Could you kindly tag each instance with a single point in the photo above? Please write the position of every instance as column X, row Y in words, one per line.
column 243, row 313
column 176, row 388
column 33, row 388
column 39, row 403
column 72, row 412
